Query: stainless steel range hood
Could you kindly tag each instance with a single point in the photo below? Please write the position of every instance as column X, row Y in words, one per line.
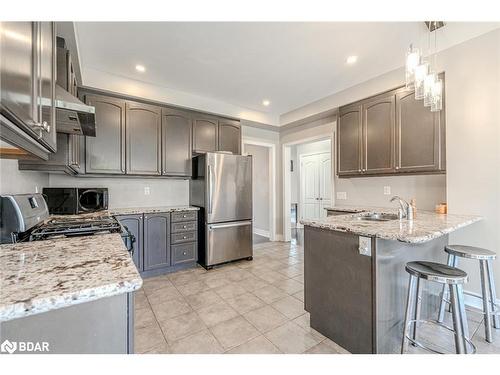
column 72, row 115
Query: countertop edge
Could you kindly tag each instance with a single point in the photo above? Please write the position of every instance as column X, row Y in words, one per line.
column 47, row 304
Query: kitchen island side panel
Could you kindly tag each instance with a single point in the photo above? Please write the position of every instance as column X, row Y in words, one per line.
column 338, row 288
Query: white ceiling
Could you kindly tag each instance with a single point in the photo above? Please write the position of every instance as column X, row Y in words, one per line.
column 290, row 64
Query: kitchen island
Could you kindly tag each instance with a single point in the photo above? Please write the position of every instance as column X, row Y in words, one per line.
column 355, row 278
column 75, row 293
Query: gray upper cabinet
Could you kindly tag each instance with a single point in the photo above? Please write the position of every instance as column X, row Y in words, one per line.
column 27, row 83
column 105, row 153
column 230, row 136
column 156, row 241
column 349, row 134
column 390, row 133
column 135, row 227
column 420, row 143
column 378, row 135
column 205, row 133
column 176, row 137
column 143, row 134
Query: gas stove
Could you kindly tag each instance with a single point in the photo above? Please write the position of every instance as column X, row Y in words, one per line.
column 70, row 227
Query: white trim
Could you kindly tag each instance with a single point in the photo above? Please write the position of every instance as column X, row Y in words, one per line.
column 272, row 179
column 261, row 232
column 285, row 149
column 475, row 300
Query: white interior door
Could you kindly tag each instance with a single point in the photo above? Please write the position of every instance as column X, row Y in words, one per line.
column 309, row 172
column 325, row 183
column 315, row 185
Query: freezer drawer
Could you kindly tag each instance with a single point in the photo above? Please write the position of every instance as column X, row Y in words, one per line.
column 228, row 241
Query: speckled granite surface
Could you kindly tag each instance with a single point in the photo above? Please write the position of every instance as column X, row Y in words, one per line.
column 347, row 208
column 40, row 276
column 425, row 227
column 150, row 210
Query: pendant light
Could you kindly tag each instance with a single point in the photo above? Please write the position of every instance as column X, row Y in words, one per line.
column 412, row 61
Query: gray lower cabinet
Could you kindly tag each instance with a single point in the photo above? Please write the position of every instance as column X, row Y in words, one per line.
column 349, row 135
column 156, row 241
column 205, row 134
column 420, row 135
column 134, row 224
column 378, row 135
column 143, row 139
column 105, row 153
column 176, row 135
column 229, row 136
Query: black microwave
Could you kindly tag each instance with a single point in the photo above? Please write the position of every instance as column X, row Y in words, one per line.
column 72, row 201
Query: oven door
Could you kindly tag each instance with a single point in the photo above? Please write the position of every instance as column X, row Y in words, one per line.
column 92, row 200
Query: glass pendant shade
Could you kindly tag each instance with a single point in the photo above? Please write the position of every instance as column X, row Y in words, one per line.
column 420, row 74
column 412, row 61
column 429, row 82
column 437, row 96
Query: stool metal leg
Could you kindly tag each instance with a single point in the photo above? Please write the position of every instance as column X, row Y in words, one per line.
column 486, row 305
column 463, row 315
column 409, row 309
column 460, row 343
column 416, row 312
column 493, row 294
column 444, row 293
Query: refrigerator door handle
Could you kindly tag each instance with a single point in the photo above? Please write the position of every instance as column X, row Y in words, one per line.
column 230, row 225
column 211, row 183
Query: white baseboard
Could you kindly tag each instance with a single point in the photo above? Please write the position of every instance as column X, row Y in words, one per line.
column 261, row 232
column 475, row 300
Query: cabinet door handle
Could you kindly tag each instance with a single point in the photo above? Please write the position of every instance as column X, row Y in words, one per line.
column 184, row 253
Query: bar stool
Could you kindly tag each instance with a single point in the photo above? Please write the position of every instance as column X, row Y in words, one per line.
column 491, row 310
column 452, row 277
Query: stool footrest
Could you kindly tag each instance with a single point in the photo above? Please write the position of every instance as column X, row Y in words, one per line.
column 435, row 322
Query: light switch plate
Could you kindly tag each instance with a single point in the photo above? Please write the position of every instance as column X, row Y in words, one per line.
column 387, row 190
column 365, row 246
column 147, row 190
column 341, row 195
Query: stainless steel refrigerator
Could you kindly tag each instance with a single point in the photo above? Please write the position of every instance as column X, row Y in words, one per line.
column 222, row 187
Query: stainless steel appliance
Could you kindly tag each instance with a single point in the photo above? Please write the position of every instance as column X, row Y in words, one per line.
column 222, row 187
column 72, row 201
column 25, row 217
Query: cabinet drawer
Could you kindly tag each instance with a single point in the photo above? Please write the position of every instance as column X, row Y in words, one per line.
column 183, row 227
column 184, row 253
column 183, row 237
column 183, row 216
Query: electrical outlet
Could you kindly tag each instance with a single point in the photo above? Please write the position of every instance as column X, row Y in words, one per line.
column 365, row 246
column 341, row 195
column 36, row 189
column 147, row 190
column 387, row 190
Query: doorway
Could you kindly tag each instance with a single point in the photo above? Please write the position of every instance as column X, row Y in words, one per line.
column 263, row 188
column 308, row 183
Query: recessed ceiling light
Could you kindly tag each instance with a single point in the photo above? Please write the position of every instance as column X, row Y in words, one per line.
column 140, row 68
column 352, row 59
column 266, row 102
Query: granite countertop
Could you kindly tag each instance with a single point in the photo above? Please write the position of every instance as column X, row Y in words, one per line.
column 40, row 276
column 425, row 227
column 149, row 210
column 349, row 208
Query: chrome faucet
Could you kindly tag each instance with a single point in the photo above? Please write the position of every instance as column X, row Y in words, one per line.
column 406, row 209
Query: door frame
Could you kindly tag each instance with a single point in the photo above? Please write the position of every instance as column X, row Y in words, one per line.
column 301, row 201
column 272, row 178
column 286, row 190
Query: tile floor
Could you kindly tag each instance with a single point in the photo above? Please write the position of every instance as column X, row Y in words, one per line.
column 245, row 307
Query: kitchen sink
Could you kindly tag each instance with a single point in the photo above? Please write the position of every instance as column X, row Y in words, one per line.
column 378, row 217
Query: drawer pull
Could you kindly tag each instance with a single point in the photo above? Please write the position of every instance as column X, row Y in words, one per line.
column 184, row 237
column 183, row 215
column 184, row 226
column 184, row 253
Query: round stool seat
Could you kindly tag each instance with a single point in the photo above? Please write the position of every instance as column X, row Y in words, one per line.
column 470, row 252
column 437, row 272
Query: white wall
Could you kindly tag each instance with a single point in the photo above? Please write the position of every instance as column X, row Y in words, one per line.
column 14, row 181
column 129, row 192
column 260, row 187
